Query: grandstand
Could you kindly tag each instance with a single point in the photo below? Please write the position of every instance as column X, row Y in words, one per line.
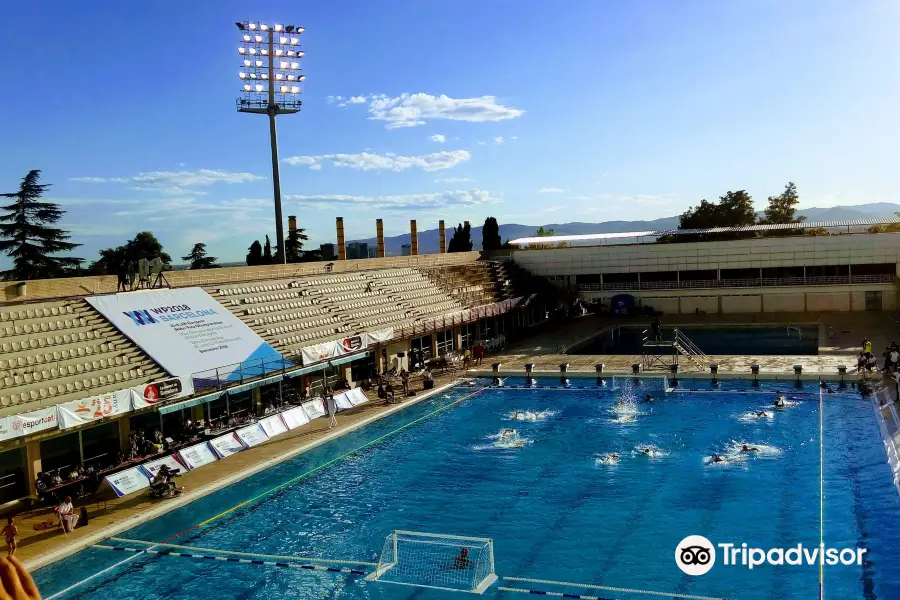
column 57, row 348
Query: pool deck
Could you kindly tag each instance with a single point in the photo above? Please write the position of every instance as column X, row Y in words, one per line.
column 840, row 336
column 40, row 548
column 841, row 332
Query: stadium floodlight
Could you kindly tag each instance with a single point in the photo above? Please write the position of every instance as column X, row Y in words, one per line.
column 271, row 98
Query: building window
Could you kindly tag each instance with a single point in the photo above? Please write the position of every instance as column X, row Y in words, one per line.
column 12, row 475
column 100, row 445
column 467, row 335
column 420, row 352
column 445, row 342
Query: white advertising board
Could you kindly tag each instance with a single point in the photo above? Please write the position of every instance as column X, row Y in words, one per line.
column 357, row 396
column 79, row 412
column 36, row 420
column 252, row 435
column 197, row 455
column 128, row 481
column 184, row 330
column 342, row 401
column 273, row 425
column 226, row 445
column 6, row 429
column 294, row 418
column 148, row 394
column 152, row 467
column 314, row 408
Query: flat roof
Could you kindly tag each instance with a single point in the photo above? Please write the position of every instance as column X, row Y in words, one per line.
column 745, row 229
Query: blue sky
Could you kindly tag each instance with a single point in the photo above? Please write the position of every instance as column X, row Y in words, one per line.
column 530, row 112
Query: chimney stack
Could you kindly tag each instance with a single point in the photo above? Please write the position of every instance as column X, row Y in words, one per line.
column 379, row 232
column 292, row 223
column 442, row 235
column 413, row 238
column 341, row 248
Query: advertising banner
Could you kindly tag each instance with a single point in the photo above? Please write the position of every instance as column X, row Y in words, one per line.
column 357, row 396
column 184, row 330
column 344, row 346
column 342, row 401
column 294, row 418
column 152, row 468
column 197, row 455
column 226, row 445
column 6, row 429
column 314, row 408
column 79, row 412
column 252, row 435
column 34, row 421
column 273, row 425
column 148, row 394
column 128, row 481
column 378, row 336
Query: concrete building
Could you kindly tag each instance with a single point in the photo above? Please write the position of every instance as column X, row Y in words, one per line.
column 406, row 249
column 328, row 251
column 357, row 250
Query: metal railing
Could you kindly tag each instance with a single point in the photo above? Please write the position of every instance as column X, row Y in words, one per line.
column 240, row 373
column 737, row 283
column 686, row 346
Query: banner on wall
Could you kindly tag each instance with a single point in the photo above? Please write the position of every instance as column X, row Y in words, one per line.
column 294, row 418
column 344, row 346
column 34, row 421
column 149, row 394
column 357, row 396
column 342, row 401
column 226, row 445
column 6, row 429
column 79, row 412
column 197, row 455
column 273, row 425
column 314, row 409
column 184, row 330
column 128, row 481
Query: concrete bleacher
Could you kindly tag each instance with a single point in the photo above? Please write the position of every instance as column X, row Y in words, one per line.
column 58, row 351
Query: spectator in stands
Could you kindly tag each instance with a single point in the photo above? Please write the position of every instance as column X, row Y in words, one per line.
column 67, row 515
column 55, row 479
column 308, row 391
column 74, row 474
column 343, row 384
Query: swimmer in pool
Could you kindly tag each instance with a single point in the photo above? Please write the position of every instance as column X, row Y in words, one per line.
column 507, row 433
column 779, row 402
column 717, row 459
column 647, row 451
column 518, row 415
column 762, row 414
column 648, row 398
column 746, row 448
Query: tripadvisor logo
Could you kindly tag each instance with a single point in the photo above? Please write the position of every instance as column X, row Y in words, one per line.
column 696, row 555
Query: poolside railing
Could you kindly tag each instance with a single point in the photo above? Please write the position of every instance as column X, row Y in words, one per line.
column 737, row 283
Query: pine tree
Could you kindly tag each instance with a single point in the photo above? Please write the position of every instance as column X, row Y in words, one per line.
column 267, row 252
column 490, row 235
column 293, row 245
column 254, row 254
column 462, row 239
column 783, row 207
column 25, row 235
column 198, row 258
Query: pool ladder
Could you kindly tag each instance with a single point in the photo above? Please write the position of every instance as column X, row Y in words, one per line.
column 687, row 348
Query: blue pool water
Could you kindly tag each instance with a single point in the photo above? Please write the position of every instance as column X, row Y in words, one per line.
column 552, row 511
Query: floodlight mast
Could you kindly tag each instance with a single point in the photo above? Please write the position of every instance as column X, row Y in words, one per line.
column 269, row 106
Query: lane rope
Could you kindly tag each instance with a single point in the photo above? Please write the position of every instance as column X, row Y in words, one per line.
column 97, row 574
column 605, row 588
column 234, row 559
column 247, row 554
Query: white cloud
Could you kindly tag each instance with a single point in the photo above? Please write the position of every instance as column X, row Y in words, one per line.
column 366, row 161
column 482, row 143
column 453, row 180
column 550, row 190
column 448, row 199
column 513, row 137
column 175, row 182
column 410, row 110
column 498, row 140
column 439, row 138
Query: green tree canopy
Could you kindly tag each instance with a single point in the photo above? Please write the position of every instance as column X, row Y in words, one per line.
column 267, row 252
column 26, row 236
column 734, row 209
column 490, row 235
column 293, row 245
column 143, row 245
column 198, row 258
column 783, row 207
column 254, row 254
column 462, row 239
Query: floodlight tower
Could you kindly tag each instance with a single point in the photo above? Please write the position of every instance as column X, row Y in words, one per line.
column 271, row 80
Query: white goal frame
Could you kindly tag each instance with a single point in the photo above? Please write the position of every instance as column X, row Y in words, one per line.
column 390, row 556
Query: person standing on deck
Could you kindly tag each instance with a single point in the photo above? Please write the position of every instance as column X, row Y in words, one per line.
column 10, row 532
column 332, row 408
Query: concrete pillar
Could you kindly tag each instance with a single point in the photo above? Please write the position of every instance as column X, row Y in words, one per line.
column 442, row 238
column 32, row 465
column 124, row 432
column 341, row 248
column 255, row 400
column 198, row 412
column 379, row 232
column 413, row 238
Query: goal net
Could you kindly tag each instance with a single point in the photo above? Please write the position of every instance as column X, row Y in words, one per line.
column 653, row 384
column 432, row 560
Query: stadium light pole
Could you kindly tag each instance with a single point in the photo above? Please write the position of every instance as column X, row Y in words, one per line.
column 271, row 84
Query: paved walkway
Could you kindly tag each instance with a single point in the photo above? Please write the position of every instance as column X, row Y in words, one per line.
column 39, row 548
column 840, row 335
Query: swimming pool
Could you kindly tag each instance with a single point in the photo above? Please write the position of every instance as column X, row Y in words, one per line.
column 768, row 340
column 553, row 512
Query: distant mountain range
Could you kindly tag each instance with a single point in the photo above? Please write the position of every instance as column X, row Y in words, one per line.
column 429, row 241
